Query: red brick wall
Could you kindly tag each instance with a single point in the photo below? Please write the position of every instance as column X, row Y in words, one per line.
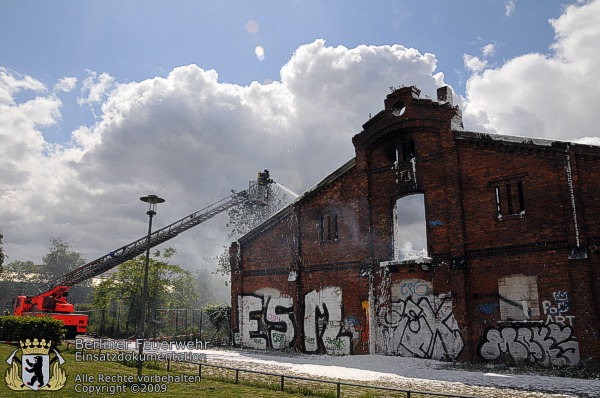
column 471, row 247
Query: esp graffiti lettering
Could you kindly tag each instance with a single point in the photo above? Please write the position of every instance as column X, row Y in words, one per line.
column 323, row 324
column 266, row 320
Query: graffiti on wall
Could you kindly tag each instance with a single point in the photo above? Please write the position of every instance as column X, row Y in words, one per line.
column 364, row 335
column 323, row 322
column 415, row 287
column 266, row 319
column 487, row 308
column 418, row 323
column 551, row 344
column 557, row 312
column 382, row 229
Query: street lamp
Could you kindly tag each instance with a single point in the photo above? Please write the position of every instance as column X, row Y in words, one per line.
column 152, row 201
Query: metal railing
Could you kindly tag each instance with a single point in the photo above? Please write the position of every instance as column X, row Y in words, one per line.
column 338, row 384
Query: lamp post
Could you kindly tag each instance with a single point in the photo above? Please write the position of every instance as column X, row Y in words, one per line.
column 152, row 201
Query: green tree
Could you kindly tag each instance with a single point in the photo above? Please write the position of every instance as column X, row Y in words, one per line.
column 61, row 258
column 219, row 316
column 1, row 252
column 23, row 277
column 23, row 271
column 169, row 286
column 18, row 278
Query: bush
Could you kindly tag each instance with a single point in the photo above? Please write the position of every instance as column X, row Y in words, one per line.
column 218, row 314
column 17, row 328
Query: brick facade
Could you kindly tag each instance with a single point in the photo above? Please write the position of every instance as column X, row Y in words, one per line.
column 511, row 264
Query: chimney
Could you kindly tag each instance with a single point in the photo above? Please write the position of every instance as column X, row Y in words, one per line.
column 444, row 95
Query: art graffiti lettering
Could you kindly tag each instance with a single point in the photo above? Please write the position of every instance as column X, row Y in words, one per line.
column 555, row 313
column 422, row 326
column 323, row 322
column 550, row 344
column 561, row 300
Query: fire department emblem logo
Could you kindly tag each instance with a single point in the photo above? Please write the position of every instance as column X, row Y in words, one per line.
column 37, row 371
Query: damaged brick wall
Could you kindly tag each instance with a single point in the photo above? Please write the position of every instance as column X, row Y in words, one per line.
column 510, row 270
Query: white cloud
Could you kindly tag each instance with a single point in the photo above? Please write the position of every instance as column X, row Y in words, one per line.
column 191, row 139
column 30, row 179
column 95, row 88
column 65, row 84
column 474, row 64
column 488, row 49
column 11, row 83
column 509, row 7
column 544, row 96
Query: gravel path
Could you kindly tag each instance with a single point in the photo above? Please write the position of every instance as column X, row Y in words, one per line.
column 407, row 373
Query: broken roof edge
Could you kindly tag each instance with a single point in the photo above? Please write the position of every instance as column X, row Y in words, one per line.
column 285, row 211
column 522, row 140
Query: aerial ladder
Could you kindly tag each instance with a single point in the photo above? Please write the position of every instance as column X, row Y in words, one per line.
column 51, row 297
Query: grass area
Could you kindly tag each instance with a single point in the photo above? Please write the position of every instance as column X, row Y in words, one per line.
column 217, row 382
column 206, row 388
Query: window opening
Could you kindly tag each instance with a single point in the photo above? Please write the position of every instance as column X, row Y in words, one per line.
column 408, row 150
column 521, row 197
column 329, row 228
column 509, row 199
column 398, row 108
column 498, row 203
column 404, row 152
column 505, row 200
column 410, row 231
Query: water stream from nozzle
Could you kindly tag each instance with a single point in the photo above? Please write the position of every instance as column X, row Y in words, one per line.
column 287, row 190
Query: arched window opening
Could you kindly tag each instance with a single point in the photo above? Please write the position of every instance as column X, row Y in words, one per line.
column 410, row 232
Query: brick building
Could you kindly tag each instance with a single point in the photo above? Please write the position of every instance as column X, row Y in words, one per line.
column 504, row 258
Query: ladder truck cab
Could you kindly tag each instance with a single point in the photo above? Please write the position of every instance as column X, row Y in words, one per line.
column 53, row 303
column 51, row 299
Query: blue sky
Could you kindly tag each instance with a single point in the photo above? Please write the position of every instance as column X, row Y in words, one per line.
column 102, row 102
column 137, row 40
column 134, row 40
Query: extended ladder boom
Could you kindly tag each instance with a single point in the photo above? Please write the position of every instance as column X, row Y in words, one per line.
column 138, row 247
